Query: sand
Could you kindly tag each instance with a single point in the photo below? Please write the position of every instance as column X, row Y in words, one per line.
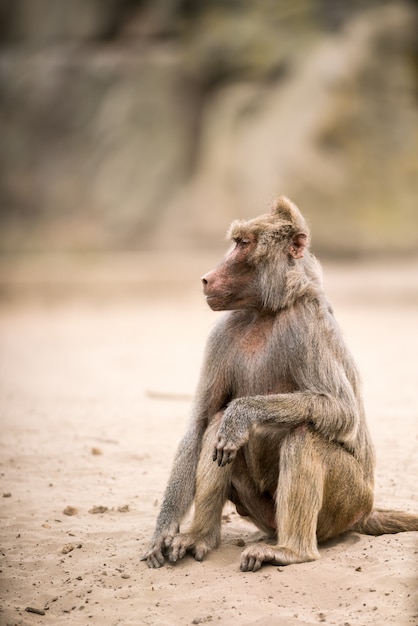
column 95, row 395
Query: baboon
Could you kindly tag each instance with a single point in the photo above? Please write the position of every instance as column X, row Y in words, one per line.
column 278, row 425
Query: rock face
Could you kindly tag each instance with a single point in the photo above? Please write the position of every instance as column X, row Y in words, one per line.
column 96, row 144
column 152, row 124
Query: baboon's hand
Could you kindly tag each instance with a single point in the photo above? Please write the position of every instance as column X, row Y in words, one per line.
column 233, row 433
column 155, row 556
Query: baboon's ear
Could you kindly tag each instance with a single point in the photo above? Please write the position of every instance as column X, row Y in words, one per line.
column 287, row 211
column 298, row 245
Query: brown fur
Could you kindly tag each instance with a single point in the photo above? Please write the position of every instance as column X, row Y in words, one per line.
column 278, row 425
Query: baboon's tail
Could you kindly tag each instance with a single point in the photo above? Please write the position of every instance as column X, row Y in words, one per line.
column 381, row 522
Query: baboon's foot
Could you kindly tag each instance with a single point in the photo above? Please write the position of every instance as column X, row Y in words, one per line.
column 253, row 557
column 198, row 545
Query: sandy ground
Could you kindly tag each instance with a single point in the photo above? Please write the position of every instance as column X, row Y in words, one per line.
column 95, row 395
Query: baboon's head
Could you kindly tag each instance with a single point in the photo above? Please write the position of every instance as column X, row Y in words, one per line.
column 253, row 273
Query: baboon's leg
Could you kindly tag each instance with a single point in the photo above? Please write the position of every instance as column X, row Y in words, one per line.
column 312, row 496
column 252, row 499
column 212, row 484
column 255, row 475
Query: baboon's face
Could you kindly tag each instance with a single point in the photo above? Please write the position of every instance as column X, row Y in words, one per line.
column 232, row 285
column 257, row 263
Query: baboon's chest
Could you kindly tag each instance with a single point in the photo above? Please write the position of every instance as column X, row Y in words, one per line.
column 260, row 366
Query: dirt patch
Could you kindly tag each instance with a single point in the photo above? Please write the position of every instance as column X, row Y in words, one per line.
column 78, row 376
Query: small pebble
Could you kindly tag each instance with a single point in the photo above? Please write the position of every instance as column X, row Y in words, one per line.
column 70, row 510
column 31, row 609
column 67, row 548
column 98, row 509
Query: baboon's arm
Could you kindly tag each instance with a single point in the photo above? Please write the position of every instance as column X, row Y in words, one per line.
column 178, row 496
column 211, row 397
column 329, row 405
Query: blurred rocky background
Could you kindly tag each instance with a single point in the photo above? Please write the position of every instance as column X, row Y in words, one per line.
column 148, row 125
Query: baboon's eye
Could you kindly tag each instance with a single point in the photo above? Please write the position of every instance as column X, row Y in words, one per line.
column 242, row 241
